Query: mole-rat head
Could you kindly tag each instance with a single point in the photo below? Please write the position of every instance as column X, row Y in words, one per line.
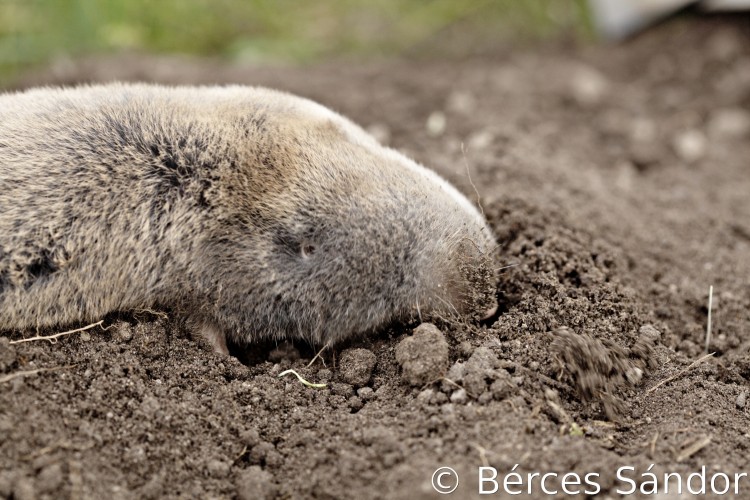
column 332, row 235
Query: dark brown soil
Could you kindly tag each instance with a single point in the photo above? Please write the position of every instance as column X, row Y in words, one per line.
column 618, row 184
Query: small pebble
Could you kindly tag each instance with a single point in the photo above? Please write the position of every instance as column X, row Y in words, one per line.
column 217, row 468
column 503, row 387
column 643, row 348
column 459, row 397
column 479, row 369
column 588, row 86
column 153, row 488
column 324, row 375
column 341, row 389
column 366, row 393
column 425, row 396
column 24, row 489
column 261, row 451
column 6, row 484
column 436, row 123
column 741, row 400
column 462, row 102
column 150, row 405
column 465, row 349
column 355, row 403
column 250, row 437
column 455, row 375
column 457, row 371
column 724, row 45
column 50, row 478
column 43, row 461
column 485, row 398
column 382, row 391
column 690, row 145
column 255, row 483
column 634, row 375
column 126, row 334
column 447, row 409
column 438, row 398
column 479, row 141
column 482, row 359
column 729, row 123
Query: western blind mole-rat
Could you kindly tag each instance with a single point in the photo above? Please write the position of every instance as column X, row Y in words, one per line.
column 251, row 212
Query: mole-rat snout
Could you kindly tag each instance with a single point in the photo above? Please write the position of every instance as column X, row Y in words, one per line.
column 398, row 245
column 471, row 274
column 379, row 241
column 357, row 239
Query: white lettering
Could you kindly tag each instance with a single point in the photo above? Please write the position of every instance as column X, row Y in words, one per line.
column 627, row 480
column 484, row 479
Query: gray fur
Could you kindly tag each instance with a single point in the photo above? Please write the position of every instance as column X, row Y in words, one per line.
column 252, row 212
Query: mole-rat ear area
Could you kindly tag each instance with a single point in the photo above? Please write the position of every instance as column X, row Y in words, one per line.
column 307, row 249
column 296, row 241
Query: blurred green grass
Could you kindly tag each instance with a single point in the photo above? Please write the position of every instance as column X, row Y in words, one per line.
column 34, row 32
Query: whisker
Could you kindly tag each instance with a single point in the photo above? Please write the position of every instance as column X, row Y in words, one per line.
column 514, row 264
column 468, row 173
column 449, row 304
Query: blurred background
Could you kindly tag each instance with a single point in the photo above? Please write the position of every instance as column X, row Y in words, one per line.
column 36, row 32
column 39, row 34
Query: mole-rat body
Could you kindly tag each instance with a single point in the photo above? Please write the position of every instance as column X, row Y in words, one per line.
column 251, row 212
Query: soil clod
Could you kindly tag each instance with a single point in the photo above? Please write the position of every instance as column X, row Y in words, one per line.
column 423, row 356
column 356, row 366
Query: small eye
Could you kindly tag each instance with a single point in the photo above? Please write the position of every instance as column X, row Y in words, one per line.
column 307, row 249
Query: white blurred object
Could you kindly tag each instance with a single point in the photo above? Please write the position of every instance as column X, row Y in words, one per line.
column 619, row 18
column 616, row 19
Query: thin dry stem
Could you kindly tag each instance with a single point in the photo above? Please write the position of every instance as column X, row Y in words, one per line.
column 693, row 448
column 15, row 375
column 482, row 454
column 52, row 338
column 708, row 323
column 327, row 344
column 681, row 372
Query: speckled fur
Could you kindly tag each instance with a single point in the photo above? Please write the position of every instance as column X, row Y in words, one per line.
column 252, row 212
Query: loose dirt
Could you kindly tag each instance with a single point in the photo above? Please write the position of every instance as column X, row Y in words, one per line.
column 617, row 182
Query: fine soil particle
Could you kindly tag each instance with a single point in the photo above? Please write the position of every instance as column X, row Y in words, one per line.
column 616, row 181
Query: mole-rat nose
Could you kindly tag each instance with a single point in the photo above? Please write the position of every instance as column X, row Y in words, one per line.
column 489, row 313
